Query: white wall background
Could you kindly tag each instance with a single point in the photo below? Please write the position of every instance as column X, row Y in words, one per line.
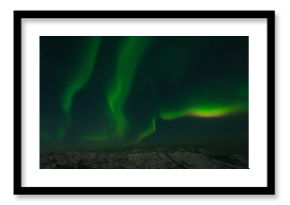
column 282, row 98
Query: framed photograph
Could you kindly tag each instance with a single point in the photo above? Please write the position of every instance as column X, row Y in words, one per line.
column 144, row 102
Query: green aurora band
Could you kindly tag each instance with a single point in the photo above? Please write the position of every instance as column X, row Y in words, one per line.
column 147, row 132
column 84, row 67
column 205, row 111
column 130, row 55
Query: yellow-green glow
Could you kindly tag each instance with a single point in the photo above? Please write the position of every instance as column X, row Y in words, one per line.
column 204, row 111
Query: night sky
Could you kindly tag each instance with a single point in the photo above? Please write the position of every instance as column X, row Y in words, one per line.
column 144, row 91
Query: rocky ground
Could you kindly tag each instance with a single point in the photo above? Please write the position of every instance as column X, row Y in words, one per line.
column 159, row 158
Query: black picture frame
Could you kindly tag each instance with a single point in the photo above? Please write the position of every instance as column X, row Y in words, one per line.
column 269, row 189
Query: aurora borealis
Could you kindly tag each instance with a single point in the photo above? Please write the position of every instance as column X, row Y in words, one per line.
column 101, row 92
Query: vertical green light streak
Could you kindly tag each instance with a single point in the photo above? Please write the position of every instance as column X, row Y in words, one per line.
column 128, row 60
column 83, row 72
column 149, row 131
